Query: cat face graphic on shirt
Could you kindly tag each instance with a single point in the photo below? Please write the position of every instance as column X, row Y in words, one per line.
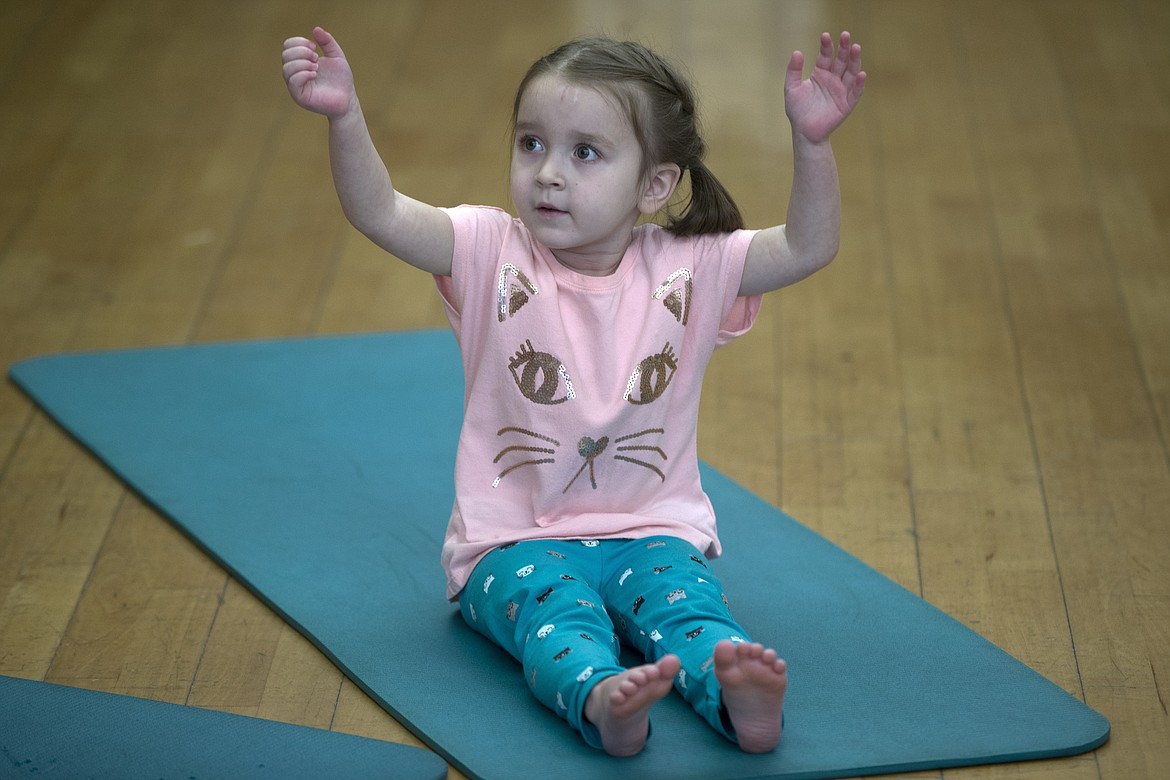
column 543, row 379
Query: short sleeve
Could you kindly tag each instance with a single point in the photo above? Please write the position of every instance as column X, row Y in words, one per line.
column 479, row 232
column 744, row 310
column 729, row 251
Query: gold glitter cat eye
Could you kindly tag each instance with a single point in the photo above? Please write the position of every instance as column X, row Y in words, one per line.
column 512, row 291
column 539, row 375
column 651, row 377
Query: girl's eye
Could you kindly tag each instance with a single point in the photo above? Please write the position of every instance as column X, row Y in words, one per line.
column 530, row 144
column 585, row 153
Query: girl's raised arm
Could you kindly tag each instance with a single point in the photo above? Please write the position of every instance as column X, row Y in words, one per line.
column 787, row 253
column 411, row 230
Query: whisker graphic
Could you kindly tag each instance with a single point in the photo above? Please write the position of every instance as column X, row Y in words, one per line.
column 519, row 448
column 644, row 464
column 526, row 432
column 524, row 448
column 629, row 436
column 510, row 469
column 644, row 448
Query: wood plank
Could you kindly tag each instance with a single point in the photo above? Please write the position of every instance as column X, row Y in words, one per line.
column 53, row 252
column 979, row 509
column 1102, row 462
column 141, row 624
column 846, row 468
column 53, row 195
column 56, row 503
column 238, row 656
column 50, row 95
column 1120, row 114
column 1087, row 355
column 358, row 714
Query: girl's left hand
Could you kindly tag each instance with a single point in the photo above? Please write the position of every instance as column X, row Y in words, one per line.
column 817, row 105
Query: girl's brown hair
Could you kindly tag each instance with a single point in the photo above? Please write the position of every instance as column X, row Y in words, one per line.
column 661, row 107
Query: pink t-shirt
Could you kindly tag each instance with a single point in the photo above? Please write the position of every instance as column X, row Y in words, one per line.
column 582, row 392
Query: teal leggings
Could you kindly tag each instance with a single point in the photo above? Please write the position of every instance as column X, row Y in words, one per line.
column 562, row 608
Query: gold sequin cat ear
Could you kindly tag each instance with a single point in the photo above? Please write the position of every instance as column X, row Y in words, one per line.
column 512, row 291
column 677, row 300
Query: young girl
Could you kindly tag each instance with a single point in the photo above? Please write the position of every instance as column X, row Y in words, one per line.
column 579, row 521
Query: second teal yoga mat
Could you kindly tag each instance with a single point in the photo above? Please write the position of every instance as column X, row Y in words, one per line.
column 318, row 471
column 59, row 732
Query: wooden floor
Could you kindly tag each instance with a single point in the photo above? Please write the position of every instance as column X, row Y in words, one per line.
column 974, row 399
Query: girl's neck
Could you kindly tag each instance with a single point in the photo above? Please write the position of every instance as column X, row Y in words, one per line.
column 602, row 258
column 590, row 263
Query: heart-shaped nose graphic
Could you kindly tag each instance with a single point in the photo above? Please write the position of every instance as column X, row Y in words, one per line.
column 588, row 448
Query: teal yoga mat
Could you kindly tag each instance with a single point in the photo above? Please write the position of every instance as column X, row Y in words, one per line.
column 318, row 471
column 54, row 731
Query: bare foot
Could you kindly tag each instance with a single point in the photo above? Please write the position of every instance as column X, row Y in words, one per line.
column 753, row 681
column 619, row 706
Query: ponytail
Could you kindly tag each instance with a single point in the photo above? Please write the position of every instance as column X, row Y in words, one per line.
column 709, row 209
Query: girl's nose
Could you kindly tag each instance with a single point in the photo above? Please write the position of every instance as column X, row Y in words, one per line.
column 549, row 173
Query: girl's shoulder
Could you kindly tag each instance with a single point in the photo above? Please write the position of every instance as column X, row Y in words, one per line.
column 470, row 213
column 658, row 243
column 480, row 229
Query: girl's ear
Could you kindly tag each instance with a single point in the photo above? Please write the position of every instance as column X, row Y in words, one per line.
column 659, row 187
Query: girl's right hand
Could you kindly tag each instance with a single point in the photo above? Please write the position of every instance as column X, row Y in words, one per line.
column 322, row 83
column 820, row 103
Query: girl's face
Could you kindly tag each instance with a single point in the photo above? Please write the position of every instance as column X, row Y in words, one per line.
column 577, row 174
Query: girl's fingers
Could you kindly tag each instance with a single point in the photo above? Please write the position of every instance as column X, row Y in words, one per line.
column 794, row 72
column 844, row 52
column 298, row 80
column 300, row 71
column 296, row 53
column 299, row 41
column 825, row 55
column 328, row 44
